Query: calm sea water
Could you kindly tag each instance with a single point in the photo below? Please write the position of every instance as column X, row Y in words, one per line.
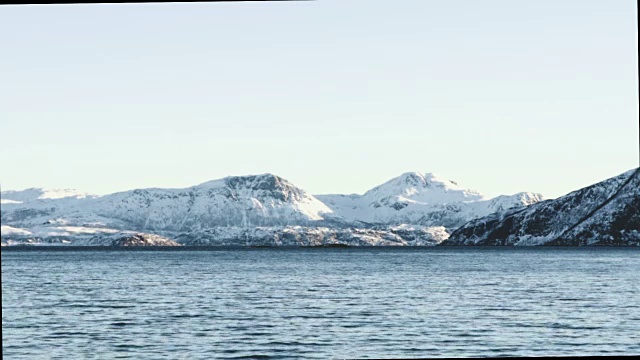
column 320, row 303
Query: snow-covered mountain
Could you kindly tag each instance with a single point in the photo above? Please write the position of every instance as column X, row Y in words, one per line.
column 316, row 236
column 20, row 196
column 268, row 210
column 402, row 235
column 263, row 200
column 424, row 199
column 247, row 201
column 79, row 236
column 606, row 213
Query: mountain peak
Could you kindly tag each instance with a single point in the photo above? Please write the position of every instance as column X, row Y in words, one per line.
column 261, row 186
column 413, row 178
column 416, row 184
column 265, row 199
column 425, row 179
column 269, row 182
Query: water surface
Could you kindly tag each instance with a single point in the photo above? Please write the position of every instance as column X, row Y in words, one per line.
column 320, row 303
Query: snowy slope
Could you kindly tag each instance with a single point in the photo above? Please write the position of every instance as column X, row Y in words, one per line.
column 424, row 199
column 52, row 234
column 247, row 201
column 6, row 231
column 604, row 213
column 31, row 194
column 260, row 200
column 315, row 236
column 7, row 201
column 266, row 200
column 428, row 203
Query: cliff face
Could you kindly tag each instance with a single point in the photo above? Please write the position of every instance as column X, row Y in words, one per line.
column 606, row 213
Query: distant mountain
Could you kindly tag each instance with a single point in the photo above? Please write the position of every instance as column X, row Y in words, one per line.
column 260, row 200
column 403, row 235
column 424, row 199
column 413, row 209
column 316, row 236
column 12, row 197
column 606, row 213
column 247, row 201
column 79, row 236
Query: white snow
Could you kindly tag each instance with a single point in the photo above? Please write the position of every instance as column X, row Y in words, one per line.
column 42, row 194
column 425, row 199
column 7, row 201
column 6, row 230
column 423, row 203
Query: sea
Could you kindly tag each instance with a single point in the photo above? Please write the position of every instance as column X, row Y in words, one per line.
column 319, row 303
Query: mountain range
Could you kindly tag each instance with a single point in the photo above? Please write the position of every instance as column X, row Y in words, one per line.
column 412, row 209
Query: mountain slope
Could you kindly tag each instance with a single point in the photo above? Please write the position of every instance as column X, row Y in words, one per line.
column 259, row 200
column 263, row 200
column 234, row 207
column 316, row 236
column 600, row 214
column 31, row 194
column 424, row 199
column 79, row 236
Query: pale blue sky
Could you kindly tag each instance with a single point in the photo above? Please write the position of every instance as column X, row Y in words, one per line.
column 335, row 95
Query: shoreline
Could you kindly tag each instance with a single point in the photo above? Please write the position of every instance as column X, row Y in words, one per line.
column 53, row 248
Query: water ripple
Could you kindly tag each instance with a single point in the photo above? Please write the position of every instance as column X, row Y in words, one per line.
column 328, row 303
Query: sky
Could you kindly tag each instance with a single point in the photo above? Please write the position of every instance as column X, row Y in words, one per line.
column 336, row 96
